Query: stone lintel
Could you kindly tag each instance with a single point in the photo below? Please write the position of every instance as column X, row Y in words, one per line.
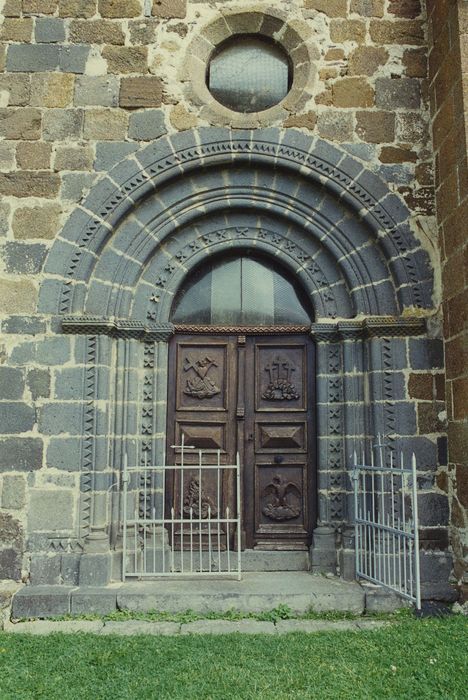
column 117, row 328
column 372, row 327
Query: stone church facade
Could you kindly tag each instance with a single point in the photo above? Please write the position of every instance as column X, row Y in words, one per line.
column 122, row 176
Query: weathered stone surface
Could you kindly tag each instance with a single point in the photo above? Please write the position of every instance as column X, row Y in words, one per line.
column 50, row 510
column 120, row 8
column 311, row 626
column 368, row 8
column 97, row 31
column 147, row 125
column 29, row 184
column 126, row 59
column 56, row 418
column 77, row 8
column 415, row 62
column 105, row 124
column 12, row 8
column 394, row 154
column 305, row 121
column 376, row 127
column 45, row 569
column 10, row 563
column 143, row 31
column 17, row 296
column 181, row 119
column 75, row 186
column 23, row 258
column 13, row 491
column 352, row 92
column 7, row 156
column 47, row 57
column 144, row 91
column 426, row 353
column 228, row 627
column 39, row 7
column 11, row 383
column 397, row 32
column 36, row 222
column 15, row 89
column 169, row 8
column 38, row 382
column 62, row 124
column 393, row 93
column 94, row 600
column 366, row 60
column 130, row 627
column 20, row 454
column 342, row 30
column 95, row 569
column 41, row 601
column 334, row 125
column 11, row 531
column 20, row 123
column 332, row 8
column 16, row 417
column 97, row 91
column 73, row 158
column 109, row 154
column 405, row 8
column 19, row 30
column 43, row 627
column 49, row 30
column 52, row 89
column 33, row 155
column 50, row 351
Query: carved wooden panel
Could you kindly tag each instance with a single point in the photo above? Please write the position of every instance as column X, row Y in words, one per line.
column 280, row 378
column 281, row 436
column 201, row 377
column 203, row 436
column 281, row 502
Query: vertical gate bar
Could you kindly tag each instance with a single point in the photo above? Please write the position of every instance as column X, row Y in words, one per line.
column 145, row 510
column 239, row 525
column 399, row 553
column 228, row 550
column 410, row 565
column 182, row 504
column 172, row 540
column 200, row 539
column 154, row 540
column 209, row 539
column 373, row 532
column 382, row 522
column 403, row 517
column 218, row 515
column 392, row 496
column 163, row 530
column 191, row 540
column 135, row 532
column 124, row 533
column 356, row 524
column 417, row 572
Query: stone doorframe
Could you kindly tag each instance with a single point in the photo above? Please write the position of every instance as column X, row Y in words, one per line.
column 121, row 257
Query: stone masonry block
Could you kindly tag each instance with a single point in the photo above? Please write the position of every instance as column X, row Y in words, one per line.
column 69, row 568
column 33, row 58
column 18, row 88
column 38, row 381
column 23, row 258
column 45, row 569
column 50, row 510
column 50, row 351
column 29, row 184
column 169, row 8
column 95, row 569
column 24, row 124
column 58, row 418
column 62, row 124
column 20, row 454
column 54, row 90
column 109, row 154
column 98, row 31
column 433, row 509
column 119, row 8
column 77, row 8
column 426, row 353
column 10, row 563
column 105, row 125
column 16, row 29
column 41, row 601
column 65, row 453
column 17, row 296
column 144, row 91
column 73, row 158
column 13, row 491
column 97, row 91
column 391, row 93
column 93, row 600
column 16, row 417
column 126, row 59
column 147, row 125
column 33, row 155
column 11, row 383
column 23, row 325
column 49, row 30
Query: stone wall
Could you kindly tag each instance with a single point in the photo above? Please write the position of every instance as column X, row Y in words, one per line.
column 448, row 63
column 86, row 83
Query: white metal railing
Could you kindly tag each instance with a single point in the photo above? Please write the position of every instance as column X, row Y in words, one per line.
column 184, row 519
column 386, row 523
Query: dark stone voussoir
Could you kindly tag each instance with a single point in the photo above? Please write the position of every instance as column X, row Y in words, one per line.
column 41, row 601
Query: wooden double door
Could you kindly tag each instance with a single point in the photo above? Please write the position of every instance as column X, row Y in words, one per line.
column 253, row 395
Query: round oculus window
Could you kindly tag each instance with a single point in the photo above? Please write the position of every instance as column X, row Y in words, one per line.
column 249, row 74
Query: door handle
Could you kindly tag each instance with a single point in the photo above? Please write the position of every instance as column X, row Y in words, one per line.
column 250, row 437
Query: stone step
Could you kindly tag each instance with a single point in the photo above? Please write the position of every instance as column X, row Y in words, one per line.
column 256, row 592
column 252, row 560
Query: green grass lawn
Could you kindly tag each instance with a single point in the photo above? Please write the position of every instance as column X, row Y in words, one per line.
column 411, row 659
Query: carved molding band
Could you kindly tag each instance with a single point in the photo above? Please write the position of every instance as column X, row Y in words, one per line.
column 117, row 328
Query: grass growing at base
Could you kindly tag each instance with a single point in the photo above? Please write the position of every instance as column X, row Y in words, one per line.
column 281, row 612
column 424, row 659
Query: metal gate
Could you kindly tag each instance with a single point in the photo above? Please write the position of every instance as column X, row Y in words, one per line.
column 386, row 523
column 186, row 529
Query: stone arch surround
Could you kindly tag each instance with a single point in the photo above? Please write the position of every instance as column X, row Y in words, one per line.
column 345, row 213
column 114, row 270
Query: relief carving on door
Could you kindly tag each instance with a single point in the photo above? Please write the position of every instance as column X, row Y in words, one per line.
column 200, row 386
column 197, row 503
column 282, row 499
column 280, row 388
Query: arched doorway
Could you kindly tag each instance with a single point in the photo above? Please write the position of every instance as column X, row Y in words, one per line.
column 241, row 365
